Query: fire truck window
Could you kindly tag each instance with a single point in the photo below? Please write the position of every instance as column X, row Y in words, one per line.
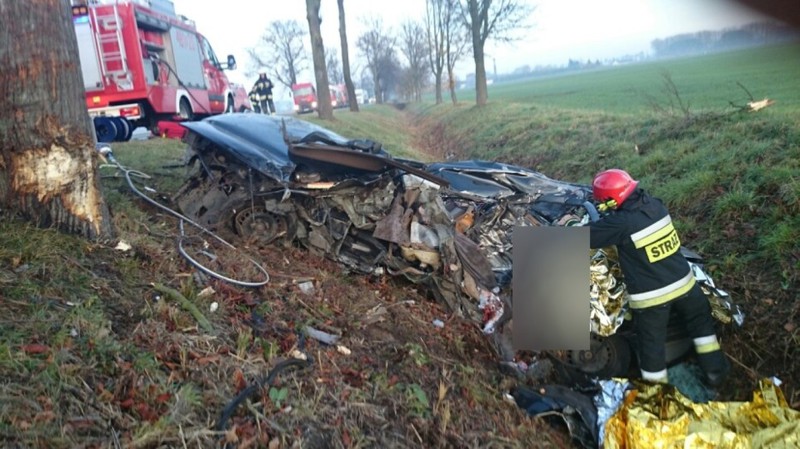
column 212, row 58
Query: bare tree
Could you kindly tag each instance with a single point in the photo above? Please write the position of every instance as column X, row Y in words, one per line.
column 282, row 51
column 414, row 47
column 378, row 47
column 48, row 162
column 324, row 108
column 496, row 19
column 457, row 45
column 348, row 79
column 332, row 64
column 439, row 15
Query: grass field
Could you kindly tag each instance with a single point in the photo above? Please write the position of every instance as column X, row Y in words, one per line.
column 709, row 83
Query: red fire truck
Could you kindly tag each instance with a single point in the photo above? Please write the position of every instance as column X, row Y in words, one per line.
column 143, row 64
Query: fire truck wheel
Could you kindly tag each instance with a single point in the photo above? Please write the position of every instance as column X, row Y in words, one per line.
column 105, row 129
column 185, row 110
column 124, row 130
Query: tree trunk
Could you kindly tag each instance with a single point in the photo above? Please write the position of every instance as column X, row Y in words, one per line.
column 438, row 78
column 451, row 83
column 378, row 90
column 348, row 80
column 324, row 108
column 48, row 163
column 481, row 93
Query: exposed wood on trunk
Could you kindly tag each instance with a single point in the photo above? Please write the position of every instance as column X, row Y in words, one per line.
column 47, row 158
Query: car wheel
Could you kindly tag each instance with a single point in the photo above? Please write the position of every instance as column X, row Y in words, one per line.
column 606, row 357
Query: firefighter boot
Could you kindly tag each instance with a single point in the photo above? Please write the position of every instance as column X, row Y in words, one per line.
column 715, row 366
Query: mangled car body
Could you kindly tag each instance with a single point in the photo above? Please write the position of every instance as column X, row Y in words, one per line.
column 446, row 225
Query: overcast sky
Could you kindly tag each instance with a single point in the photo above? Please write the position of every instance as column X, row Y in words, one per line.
column 559, row 29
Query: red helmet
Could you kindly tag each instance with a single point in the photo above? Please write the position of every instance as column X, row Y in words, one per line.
column 613, row 184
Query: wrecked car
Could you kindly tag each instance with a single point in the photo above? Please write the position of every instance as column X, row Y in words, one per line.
column 445, row 225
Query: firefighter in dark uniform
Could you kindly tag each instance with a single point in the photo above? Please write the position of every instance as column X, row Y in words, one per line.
column 263, row 90
column 254, row 101
column 657, row 276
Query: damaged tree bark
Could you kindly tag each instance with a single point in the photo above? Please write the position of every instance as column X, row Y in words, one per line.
column 47, row 158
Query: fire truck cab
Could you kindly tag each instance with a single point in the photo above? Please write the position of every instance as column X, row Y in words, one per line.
column 142, row 64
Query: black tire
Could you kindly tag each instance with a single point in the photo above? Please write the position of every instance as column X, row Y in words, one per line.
column 185, row 110
column 607, row 357
column 105, row 129
column 124, row 129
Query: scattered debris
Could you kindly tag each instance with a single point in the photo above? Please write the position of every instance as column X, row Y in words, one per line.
column 343, row 350
column 213, row 307
column 575, row 409
column 438, row 323
column 123, row 246
column 323, row 337
column 206, row 293
column 306, row 287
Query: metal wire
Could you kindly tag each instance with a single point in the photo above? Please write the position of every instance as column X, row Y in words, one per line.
column 135, row 173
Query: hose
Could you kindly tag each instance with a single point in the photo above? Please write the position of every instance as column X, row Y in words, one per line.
column 267, row 381
column 180, row 83
column 593, row 214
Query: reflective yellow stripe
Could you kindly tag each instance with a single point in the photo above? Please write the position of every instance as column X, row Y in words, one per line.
column 655, row 236
column 704, row 345
column 658, row 376
column 663, row 294
column 648, row 231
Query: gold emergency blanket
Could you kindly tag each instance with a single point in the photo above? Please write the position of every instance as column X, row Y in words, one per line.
column 658, row 416
column 606, row 293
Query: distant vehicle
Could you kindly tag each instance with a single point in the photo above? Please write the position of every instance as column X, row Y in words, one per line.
column 361, row 96
column 305, row 97
column 339, row 96
column 143, row 64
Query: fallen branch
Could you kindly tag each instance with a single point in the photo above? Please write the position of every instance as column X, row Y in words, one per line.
column 202, row 321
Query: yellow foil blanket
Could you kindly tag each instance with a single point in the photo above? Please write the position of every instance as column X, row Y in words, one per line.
column 658, row 416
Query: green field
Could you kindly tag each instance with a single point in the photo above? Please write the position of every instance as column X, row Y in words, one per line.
column 709, row 82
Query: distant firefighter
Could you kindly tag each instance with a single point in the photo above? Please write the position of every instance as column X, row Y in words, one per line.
column 263, row 94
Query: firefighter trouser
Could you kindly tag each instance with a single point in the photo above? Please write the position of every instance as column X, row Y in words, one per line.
column 695, row 314
column 267, row 106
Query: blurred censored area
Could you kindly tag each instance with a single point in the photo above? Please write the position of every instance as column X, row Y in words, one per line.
column 551, row 269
